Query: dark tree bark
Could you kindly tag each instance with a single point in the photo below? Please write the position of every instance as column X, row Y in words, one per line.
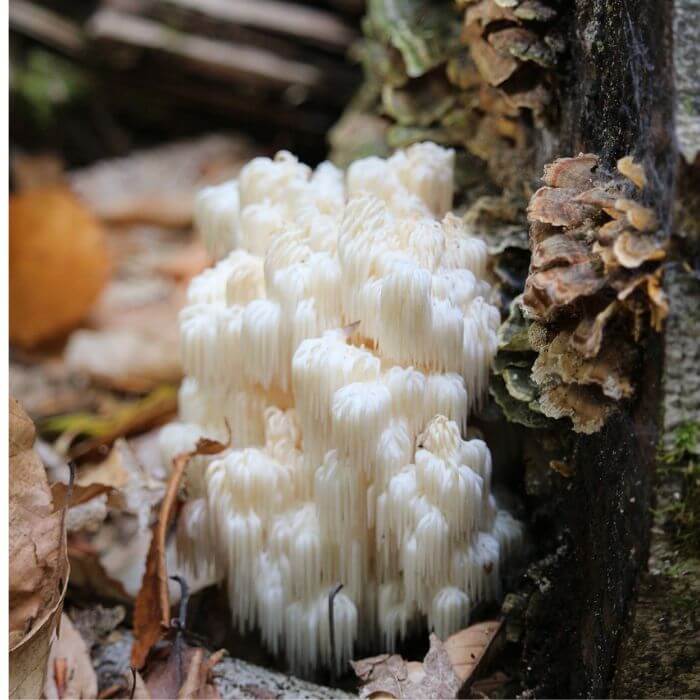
column 610, row 622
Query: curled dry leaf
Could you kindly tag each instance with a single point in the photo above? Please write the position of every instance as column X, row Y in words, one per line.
column 469, row 648
column 58, row 264
column 447, row 668
column 69, row 673
column 159, row 185
column 198, row 683
column 38, row 563
column 152, row 608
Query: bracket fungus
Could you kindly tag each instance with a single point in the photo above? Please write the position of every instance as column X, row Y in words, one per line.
column 344, row 334
column 592, row 290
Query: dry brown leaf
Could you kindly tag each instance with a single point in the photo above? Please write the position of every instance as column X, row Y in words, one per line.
column 469, row 647
column 127, row 418
column 79, row 494
column 126, row 359
column 107, row 477
column 70, row 654
column 152, row 607
column 198, row 682
column 35, row 529
column 185, row 673
column 38, row 572
column 159, row 185
column 28, row 658
column 140, row 691
column 446, row 669
column 88, row 572
column 390, row 676
column 58, row 263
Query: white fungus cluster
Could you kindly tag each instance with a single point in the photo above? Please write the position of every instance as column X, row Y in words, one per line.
column 343, row 336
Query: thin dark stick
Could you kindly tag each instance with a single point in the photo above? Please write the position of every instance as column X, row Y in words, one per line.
column 331, row 599
column 179, row 623
column 133, row 684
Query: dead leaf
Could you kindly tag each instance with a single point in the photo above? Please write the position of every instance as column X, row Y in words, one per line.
column 28, row 658
column 79, row 495
column 140, row 691
column 58, row 263
column 445, row 671
column 69, row 652
column 159, row 185
column 38, row 571
column 107, row 477
column 561, row 467
column 87, row 572
column 468, row 648
column 126, row 418
column 152, row 607
column 166, row 678
column 35, row 529
column 441, row 679
column 198, row 683
column 126, row 359
column 390, row 676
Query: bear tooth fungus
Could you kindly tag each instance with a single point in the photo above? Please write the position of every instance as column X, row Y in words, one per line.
column 343, row 337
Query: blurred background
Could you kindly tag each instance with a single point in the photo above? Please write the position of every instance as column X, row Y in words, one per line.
column 92, row 80
column 120, row 111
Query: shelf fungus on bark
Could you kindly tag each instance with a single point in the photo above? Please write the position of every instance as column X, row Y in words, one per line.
column 593, row 287
column 474, row 75
column 343, row 337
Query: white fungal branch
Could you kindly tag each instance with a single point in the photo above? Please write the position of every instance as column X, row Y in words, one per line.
column 344, row 335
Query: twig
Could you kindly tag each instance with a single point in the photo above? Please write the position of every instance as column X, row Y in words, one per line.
column 179, row 623
column 133, row 684
column 331, row 600
column 66, row 502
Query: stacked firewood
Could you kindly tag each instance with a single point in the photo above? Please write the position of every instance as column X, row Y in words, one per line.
column 275, row 68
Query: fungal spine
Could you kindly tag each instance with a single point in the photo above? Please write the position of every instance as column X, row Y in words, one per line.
column 344, row 334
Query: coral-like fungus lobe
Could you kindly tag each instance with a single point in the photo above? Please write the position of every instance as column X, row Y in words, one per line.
column 344, row 335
